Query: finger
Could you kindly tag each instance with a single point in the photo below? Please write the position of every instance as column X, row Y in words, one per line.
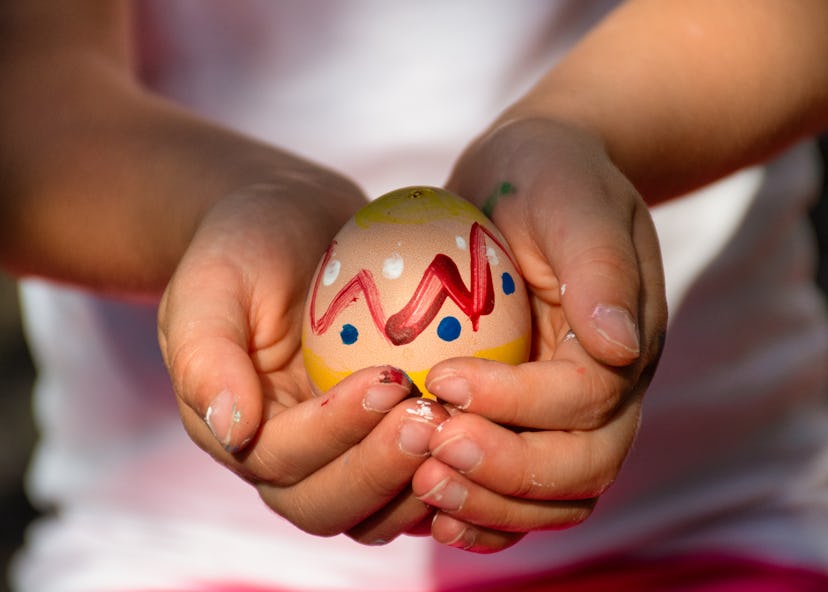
column 570, row 392
column 422, row 528
column 580, row 231
column 653, row 307
column 450, row 531
column 598, row 275
column 540, row 465
column 463, row 499
column 404, row 514
column 364, row 479
column 613, row 294
column 551, row 479
column 301, row 439
column 204, row 344
column 298, row 440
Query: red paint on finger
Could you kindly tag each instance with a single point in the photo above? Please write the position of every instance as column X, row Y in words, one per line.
column 393, row 376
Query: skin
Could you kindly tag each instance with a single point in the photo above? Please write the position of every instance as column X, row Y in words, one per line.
column 201, row 222
column 704, row 87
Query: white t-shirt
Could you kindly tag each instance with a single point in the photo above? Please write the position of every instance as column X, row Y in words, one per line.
column 733, row 451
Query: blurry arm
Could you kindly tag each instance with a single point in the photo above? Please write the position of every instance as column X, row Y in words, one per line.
column 103, row 183
column 106, row 185
column 683, row 92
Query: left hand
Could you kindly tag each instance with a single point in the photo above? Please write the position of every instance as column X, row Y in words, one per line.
column 229, row 330
column 536, row 444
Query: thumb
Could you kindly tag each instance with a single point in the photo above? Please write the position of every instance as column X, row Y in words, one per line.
column 204, row 335
column 583, row 236
column 611, row 283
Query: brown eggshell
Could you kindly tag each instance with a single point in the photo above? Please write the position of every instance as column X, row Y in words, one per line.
column 415, row 277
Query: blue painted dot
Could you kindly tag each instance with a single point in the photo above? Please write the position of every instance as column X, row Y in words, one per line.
column 349, row 334
column 508, row 283
column 448, row 329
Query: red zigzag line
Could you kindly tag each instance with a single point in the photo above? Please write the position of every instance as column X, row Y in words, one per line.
column 440, row 280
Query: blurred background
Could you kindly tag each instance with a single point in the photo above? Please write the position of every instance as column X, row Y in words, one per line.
column 17, row 431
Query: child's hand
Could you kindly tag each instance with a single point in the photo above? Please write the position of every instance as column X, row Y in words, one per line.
column 229, row 329
column 540, row 442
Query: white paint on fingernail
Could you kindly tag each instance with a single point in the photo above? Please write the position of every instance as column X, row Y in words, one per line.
column 423, row 409
column 222, row 417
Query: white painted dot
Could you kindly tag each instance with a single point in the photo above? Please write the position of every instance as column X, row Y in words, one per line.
column 331, row 272
column 461, row 242
column 491, row 255
column 393, row 266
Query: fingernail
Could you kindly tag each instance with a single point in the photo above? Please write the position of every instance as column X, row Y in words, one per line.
column 222, row 417
column 465, row 539
column 391, row 375
column 447, row 495
column 460, row 453
column 392, row 386
column 617, row 327
column 451, row 389
column 383, row 397
column 414, row 436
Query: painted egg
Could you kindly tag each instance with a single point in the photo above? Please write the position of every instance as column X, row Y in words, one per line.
column 417, row 276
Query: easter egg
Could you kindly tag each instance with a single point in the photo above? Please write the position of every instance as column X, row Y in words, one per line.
column 416, row 276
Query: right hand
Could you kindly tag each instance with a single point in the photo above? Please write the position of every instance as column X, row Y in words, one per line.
column 538, row 443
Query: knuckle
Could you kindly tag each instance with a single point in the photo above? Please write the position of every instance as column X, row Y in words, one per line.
column 607, row 260
column 600, row 473
column 184, row 365
column 375, row 483
column 527, row 488
column 299, row 510
column 603, row 398
column 511, row 518
column 273, row 468
column 600, row 479
column 529, row 485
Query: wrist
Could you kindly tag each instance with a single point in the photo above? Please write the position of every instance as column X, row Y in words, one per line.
column 639, row 145
column 524, row 151
column 287, row 219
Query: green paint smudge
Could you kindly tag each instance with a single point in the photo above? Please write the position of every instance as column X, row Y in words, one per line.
column 503, row 189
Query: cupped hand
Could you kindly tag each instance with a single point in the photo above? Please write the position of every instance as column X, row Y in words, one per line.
column 229, row 329
column 537, row 444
